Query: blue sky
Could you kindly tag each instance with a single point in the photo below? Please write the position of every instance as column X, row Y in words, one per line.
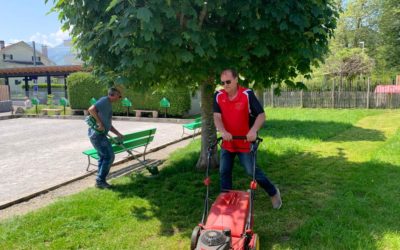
column 27, row 20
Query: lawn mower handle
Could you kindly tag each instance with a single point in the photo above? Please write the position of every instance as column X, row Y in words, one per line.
column 258, row 140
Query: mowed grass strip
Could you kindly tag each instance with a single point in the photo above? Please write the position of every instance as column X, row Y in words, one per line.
column 337, row 170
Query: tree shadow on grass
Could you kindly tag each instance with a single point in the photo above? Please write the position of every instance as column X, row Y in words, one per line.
column 319, row 130
column 328, row 201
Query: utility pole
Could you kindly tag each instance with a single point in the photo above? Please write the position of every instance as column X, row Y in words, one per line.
column 34, row 53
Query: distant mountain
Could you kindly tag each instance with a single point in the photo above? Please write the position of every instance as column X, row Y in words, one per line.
column 63, row 54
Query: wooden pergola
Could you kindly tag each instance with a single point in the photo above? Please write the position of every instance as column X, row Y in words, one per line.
column 30, row 73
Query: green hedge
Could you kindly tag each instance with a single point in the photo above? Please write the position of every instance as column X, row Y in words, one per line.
column 44, row 86
column 83, row 86
column 179, row 97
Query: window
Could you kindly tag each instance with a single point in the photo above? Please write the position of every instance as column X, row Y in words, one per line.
column 7, row 57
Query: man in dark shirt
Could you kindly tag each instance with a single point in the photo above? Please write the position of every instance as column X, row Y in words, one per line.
column 102, row 112
column 237, row 112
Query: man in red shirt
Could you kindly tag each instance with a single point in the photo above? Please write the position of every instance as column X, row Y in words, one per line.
column 237, row 112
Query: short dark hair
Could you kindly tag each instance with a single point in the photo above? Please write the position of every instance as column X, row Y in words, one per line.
column 113, row 91
column 233, row 72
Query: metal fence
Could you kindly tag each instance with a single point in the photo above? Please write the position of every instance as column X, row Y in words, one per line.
column 331, row 99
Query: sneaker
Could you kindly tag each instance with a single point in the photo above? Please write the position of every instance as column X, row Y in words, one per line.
column 276, row 200
column 103, row 185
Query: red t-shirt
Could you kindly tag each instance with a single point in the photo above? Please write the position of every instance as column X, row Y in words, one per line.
column 238, row 116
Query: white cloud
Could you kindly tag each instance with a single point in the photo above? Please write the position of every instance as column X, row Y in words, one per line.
column 52, row 39
column 11, row 41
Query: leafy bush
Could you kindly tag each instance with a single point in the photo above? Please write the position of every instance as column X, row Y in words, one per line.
column 179, row 97
column 44, row 85
column 82, row 87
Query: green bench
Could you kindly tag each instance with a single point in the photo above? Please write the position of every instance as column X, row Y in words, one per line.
column 131, row 141
column 193, row 126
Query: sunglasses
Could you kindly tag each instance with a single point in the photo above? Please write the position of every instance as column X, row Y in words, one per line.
column 225, row 82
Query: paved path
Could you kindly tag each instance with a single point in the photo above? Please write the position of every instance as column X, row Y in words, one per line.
column 36, row 154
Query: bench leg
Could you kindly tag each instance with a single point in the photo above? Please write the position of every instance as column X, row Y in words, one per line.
column 89, row 163
column 87, row 169
column 144, row 153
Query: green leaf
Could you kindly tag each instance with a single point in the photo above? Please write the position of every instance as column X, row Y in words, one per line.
column 112, row 4
column 283, row 26
column 290, row 83
column 261, row 50
column 186, row 56
column 112, row 20
column 199, row 50
column 144, row 14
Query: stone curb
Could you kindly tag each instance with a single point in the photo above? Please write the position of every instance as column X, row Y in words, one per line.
column 115, row 118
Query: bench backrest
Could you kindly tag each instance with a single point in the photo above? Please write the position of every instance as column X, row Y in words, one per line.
column 136, row 135
column 136, row 139
column 198, row 119
column 135, row 143
column 133, row 140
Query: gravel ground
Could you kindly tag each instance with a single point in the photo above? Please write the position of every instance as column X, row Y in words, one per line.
column 77, row 186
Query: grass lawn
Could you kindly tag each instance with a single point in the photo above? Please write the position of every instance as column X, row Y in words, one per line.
column 338, row 172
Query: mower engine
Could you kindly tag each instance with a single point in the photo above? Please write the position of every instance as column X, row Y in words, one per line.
column 214, row 239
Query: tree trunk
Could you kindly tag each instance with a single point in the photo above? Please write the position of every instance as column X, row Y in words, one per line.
column 208, row 131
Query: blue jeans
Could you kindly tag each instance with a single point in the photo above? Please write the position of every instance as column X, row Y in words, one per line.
column 246, row 160
column 104, row 150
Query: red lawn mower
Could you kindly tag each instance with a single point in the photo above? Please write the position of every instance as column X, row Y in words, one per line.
column 229, row 222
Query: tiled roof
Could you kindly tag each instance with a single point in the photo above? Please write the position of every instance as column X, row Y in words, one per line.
column 388, row 89
column 40, row 71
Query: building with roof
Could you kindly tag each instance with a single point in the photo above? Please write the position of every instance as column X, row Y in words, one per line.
column 387, row 89
column 386, row 95
column 21, row 54
column 24, row 58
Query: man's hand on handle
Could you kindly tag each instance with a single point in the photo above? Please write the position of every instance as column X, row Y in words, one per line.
column 100, row 126
column 251, row 136
column 226, row 136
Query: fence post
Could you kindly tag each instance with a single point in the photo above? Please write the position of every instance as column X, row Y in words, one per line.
column 368, row 92
column 272, row 96
column 333, row 92
column 301, row 99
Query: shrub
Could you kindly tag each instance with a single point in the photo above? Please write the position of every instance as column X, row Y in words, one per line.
column 82, row 86
column 179, row 97
column 44, row 85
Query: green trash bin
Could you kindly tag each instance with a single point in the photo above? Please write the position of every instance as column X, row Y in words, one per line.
column 164, row 103
column 126, row 103
column 35, row 102
column 64, row 102
column 93, row 101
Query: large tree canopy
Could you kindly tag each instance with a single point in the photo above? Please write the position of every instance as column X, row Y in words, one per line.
column 390, row 28
column 154, row 40
column 191, row 41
